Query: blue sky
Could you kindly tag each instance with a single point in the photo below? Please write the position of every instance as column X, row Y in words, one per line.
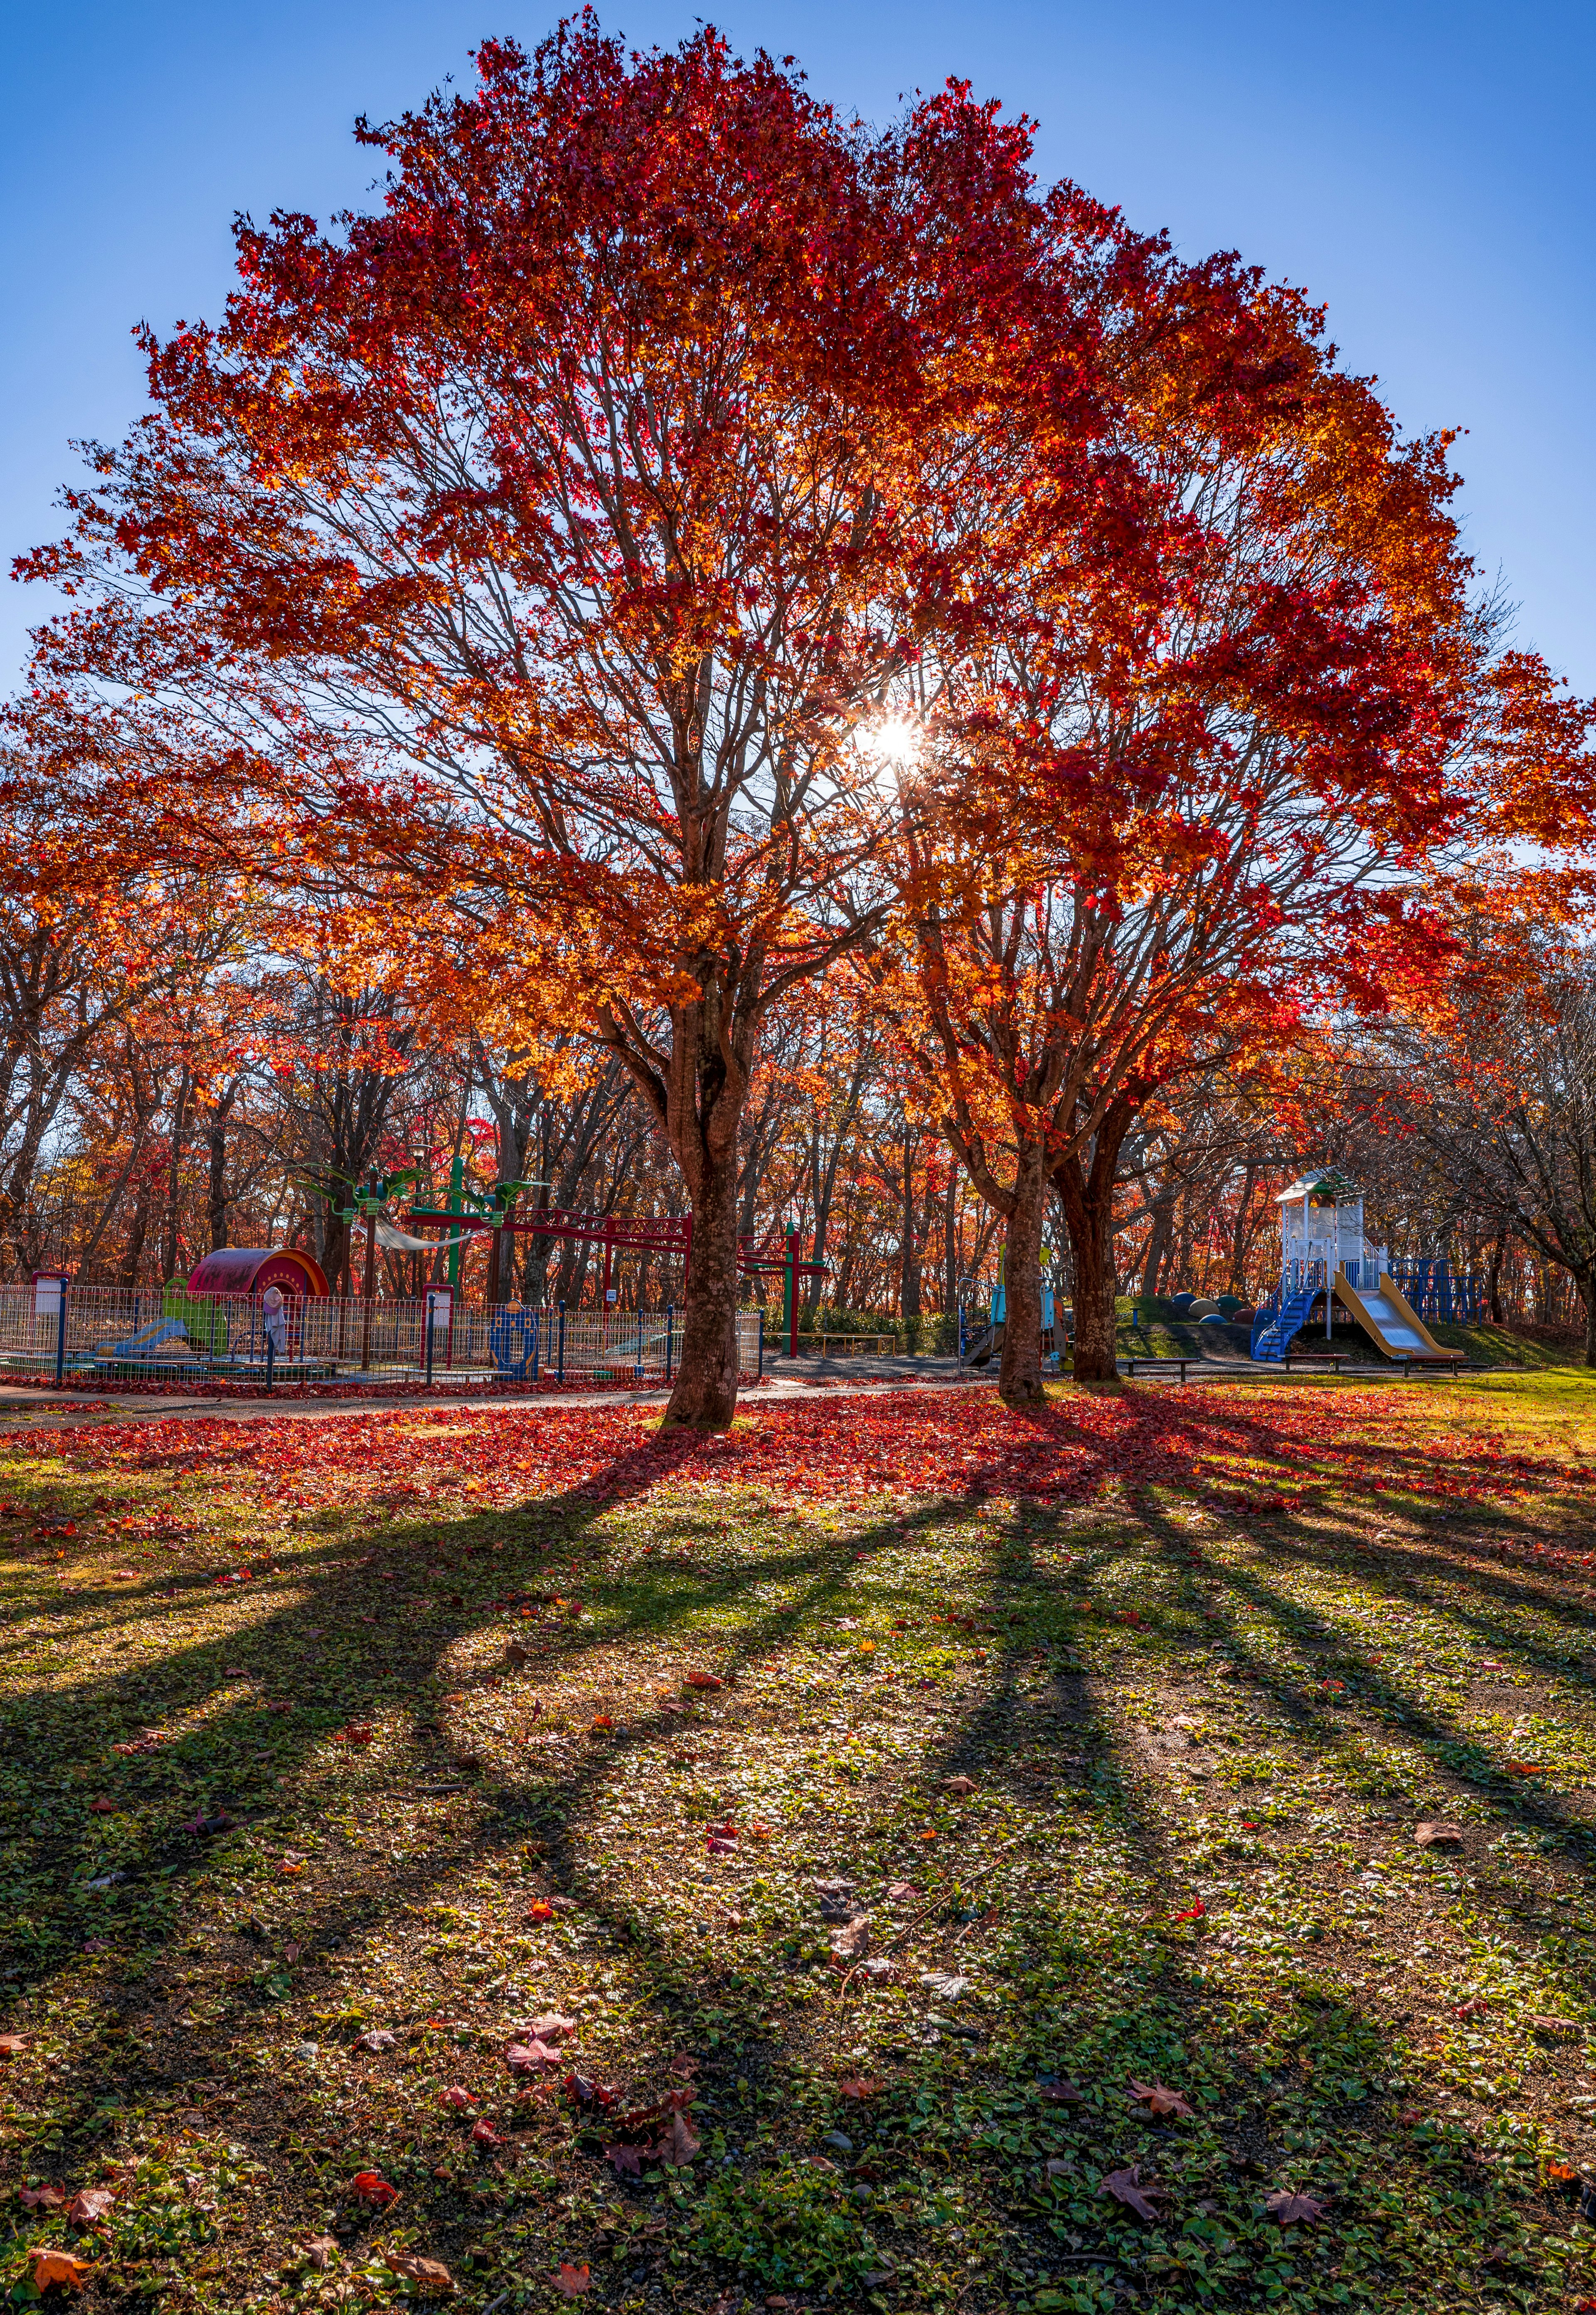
column 1425, row 170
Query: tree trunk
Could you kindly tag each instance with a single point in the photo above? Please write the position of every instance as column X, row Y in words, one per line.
column 705, row 1396
column 949, row 1243
column 1494, row 1277
column 179, row 1121
column 909, row 1294
column 1157, row 1241
column 1238, row 1235
column 1586, row 1283
column 1086, row 1194
column 215, row 1188
column 1019, row 1373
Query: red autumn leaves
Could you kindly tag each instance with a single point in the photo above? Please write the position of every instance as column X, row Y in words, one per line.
column 922, row 1442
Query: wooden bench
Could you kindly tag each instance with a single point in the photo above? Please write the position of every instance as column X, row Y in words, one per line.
column 1335, row 1360
column 1154, row 1361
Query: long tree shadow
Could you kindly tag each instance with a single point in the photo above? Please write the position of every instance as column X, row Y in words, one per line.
column 1147, row 2012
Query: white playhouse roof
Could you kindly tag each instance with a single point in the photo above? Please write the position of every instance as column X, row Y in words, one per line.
column 1326, row 1185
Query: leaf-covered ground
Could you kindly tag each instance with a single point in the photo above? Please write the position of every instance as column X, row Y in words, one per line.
column 901, row 1854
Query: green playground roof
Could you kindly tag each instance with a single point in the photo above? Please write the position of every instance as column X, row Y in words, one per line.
column 1327, row 1185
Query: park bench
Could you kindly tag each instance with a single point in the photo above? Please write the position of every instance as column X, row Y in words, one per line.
column 1154, row 1362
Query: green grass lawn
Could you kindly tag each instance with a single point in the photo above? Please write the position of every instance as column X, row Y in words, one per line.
column 925, row 1859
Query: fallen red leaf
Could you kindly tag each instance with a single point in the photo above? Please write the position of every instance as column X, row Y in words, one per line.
column 1289, row 2208
column 42, row 2199
column 430, row 2275
column 371, row 2186
column 1159, row 2099
column 678, row 2142
column 572, row 2281
column 59, row 2266
column 1126, row 2186
column 88, row 2207
column 526, row 2057
column 856, row 2086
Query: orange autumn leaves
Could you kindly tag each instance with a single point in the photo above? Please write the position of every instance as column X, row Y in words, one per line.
column 1219, row 1444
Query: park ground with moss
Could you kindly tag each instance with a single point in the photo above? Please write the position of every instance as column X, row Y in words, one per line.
column 900, row 1854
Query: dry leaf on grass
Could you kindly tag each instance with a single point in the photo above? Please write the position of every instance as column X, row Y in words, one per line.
column 527, row 2057
column 379, row 2038
column 1159, row 2099
column 855, row 2086
column 1289, row 2208
column 89, row 2207
column 12, row 2045
column 59, row 2266
column 371, row 2186
column 958, row 1785
column 679, row 2142
column 852, row 1941
column 1126, row 2186
column 551, row 2026
column 572, row 2281
column 1439, row 1836
column 321, row 2251
column 430, row 2274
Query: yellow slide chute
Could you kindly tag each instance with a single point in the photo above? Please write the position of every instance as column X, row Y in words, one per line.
column 1391, row 1323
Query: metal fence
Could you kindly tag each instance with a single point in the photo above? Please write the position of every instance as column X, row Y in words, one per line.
column 126, row 1335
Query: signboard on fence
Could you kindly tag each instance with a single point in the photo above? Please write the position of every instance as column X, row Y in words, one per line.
column 48, row 1286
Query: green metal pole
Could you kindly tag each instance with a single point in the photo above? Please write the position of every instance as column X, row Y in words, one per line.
column 456, row 1184
column 790, row 1295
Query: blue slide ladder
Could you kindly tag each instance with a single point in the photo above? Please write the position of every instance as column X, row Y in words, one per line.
column 1277, row 1320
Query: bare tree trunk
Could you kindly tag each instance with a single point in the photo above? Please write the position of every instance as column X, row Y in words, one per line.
column 134, row 1246
column 950, row 1242
column 179, row 1121
column 1238, row 1235
column 1019, row 1374
column 1086, row 1194
column 909, row 1293
column 1494, row 1276
column 1158, row 1241
column 705, row 1397
column 216, row 1171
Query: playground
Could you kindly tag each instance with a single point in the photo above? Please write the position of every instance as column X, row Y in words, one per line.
column 1148, row 1850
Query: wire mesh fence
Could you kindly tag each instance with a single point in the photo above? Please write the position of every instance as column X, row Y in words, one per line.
column 101, row 1334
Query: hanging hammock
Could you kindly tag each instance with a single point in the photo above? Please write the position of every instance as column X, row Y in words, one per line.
column 394, row 1241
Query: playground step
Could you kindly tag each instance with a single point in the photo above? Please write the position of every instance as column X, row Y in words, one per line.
column 1272, row 1335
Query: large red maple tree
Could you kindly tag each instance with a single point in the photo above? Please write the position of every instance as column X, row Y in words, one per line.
column 522, row 556
column 1225, row 717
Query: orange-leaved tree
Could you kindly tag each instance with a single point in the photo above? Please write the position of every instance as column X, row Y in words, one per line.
column 521, row 556
column 1193, row 774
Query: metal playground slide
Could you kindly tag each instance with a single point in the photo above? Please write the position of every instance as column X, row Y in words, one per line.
column 1391, row 1323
